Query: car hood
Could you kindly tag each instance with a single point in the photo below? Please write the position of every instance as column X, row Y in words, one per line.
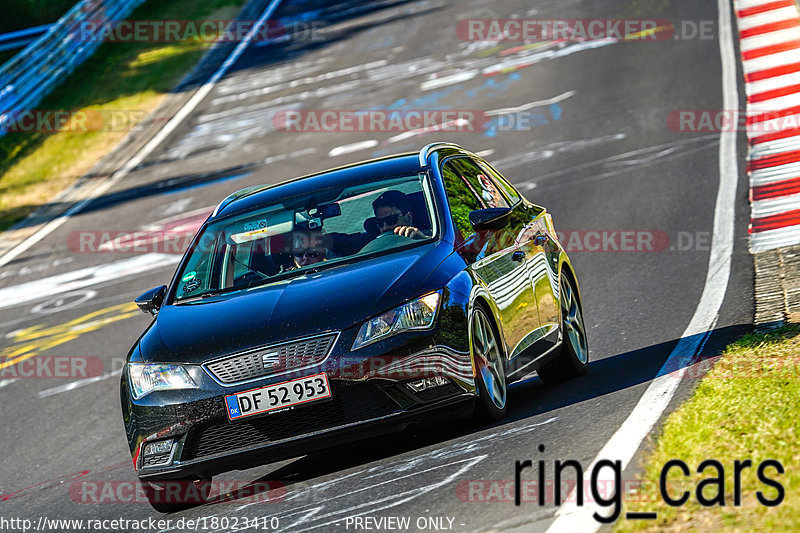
column 329, row 300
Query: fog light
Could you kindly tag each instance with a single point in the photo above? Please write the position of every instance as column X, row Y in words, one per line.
column 427, row 383
column 157, row 453
column 158, row 448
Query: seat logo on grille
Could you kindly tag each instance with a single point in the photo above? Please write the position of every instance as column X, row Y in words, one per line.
column 270, row 360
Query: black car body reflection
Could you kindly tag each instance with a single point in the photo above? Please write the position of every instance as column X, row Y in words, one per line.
column 364, row 310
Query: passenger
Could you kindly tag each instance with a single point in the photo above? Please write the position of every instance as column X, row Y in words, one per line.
column 393, row 215
column 310, row 249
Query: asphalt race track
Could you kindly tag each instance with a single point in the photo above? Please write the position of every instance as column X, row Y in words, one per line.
column 594, row 147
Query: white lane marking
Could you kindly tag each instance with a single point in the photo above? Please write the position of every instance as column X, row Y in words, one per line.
column 63, row 302
column 364, row 505
column 31, row 269
column 569, row 146
column 353, row 147
column 448, row 80
column 308, row 80
column 485, row 153
column 458, row 124
column 85, row 277
column 76, row 384
column 452, row 450
column 284, row 156
column 373, row 506
column 177, row 229
column 626, row 440
column 536, row 57
column 148, row 148
column 178, row 206
column 531, row 105
column 539, row 153
column 5, row 382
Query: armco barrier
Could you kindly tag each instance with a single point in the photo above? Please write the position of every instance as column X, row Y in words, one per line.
column 31, row 74
column 21, row 38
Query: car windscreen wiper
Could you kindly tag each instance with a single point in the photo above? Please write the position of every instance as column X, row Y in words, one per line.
column 250, row 269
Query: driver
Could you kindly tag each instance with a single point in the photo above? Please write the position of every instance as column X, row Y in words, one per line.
column 393, row 215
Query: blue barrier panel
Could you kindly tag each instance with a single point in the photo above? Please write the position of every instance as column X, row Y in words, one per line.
column 32, row 74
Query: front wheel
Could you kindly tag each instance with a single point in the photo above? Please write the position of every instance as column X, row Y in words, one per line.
column 489, row 366
column 574, row 352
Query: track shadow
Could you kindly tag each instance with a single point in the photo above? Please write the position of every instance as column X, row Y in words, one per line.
column 526, row 399
column 163, row 187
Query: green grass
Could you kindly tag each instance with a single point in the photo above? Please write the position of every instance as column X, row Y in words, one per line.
column 21, row 14
column 746, row 407
column 130, row 76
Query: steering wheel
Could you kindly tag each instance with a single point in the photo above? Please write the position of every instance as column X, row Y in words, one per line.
column 384, row 241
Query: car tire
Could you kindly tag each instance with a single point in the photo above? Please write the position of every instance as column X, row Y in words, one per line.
column 190, row 496
column 573, row 357
column 487, row 355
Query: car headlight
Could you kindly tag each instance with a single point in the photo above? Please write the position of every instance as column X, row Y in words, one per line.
column 146, row 378
column 416, row 314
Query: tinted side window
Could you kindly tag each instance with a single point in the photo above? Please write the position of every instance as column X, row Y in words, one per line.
column 511, row 193
column 484, row 187
column 461, row 197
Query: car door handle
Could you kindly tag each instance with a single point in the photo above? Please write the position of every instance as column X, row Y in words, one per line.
column 540, row 239
column 518, row 256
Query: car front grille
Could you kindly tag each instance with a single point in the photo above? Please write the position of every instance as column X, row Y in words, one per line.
column 272, row 360
column 350, row 403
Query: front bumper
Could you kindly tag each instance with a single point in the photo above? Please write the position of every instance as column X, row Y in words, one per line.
column 369, row 398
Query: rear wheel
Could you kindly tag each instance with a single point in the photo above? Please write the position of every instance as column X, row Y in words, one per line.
column 574, row 352
column 489, row 366
column 178, row 494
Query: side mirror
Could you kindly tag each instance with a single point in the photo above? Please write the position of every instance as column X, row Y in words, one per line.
column 150, row 302
column 494, row 218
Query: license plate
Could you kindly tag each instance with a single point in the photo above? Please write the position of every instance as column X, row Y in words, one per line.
column 278, row 396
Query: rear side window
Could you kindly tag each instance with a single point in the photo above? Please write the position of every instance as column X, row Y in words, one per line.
column 510, row 192
column 462, row 195
column 479, row 182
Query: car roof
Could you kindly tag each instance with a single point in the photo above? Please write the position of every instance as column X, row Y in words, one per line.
column 253, row 197
column 250, row 198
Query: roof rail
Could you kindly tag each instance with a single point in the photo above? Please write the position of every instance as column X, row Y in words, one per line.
column 235, row 196
column 427, row 149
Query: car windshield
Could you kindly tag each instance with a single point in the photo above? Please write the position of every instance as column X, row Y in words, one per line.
column 316, row 230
